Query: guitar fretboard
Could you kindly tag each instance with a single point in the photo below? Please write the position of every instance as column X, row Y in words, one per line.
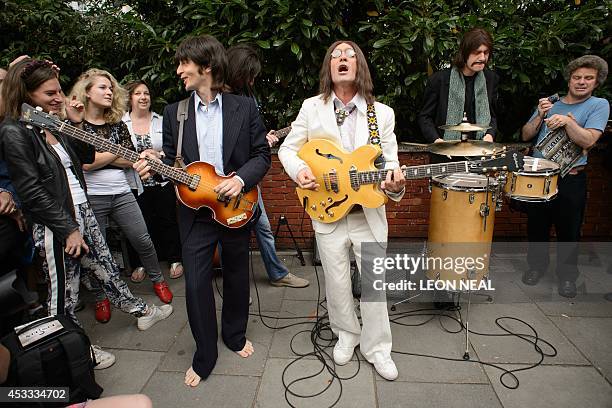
column 282, row 133
column 414, row 172
column 101, row 143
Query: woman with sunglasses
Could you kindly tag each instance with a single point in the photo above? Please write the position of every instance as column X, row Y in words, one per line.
column 45, row 168
column 107, row 177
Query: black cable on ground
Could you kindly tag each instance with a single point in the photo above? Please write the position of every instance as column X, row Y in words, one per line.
column 322, row 339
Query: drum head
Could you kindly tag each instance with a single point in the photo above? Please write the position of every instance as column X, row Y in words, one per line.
column 539, row 165
column 464, row 182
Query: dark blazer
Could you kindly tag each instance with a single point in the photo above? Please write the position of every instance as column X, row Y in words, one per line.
column 39, row 177
column 245, row 149
column 435, row 104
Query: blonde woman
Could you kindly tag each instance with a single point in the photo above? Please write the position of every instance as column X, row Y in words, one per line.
column 108, row 189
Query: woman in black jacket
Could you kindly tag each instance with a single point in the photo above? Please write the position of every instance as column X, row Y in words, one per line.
column 46, row 171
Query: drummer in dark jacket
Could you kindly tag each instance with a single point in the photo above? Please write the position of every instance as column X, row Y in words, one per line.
column 467, row 87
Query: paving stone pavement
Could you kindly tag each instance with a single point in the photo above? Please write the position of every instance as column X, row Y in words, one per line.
column 580, row 374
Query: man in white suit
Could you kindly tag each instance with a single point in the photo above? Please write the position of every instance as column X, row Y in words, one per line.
column 339, row 114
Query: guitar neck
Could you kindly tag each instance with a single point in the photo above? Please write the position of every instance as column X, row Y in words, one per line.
column 414, row 172
column 282, row 133
column 101, row 143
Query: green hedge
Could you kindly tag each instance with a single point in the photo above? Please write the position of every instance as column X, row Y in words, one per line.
column 406, row 41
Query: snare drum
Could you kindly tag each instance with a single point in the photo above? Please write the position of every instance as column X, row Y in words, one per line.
column 537, row 182
column 461, row 221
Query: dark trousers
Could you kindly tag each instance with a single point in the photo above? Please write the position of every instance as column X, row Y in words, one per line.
column 566, row 213
column 158, row 206
column 11, row 244
column 198, row 248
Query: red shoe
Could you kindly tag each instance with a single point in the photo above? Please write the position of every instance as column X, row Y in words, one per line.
column 103, row 311
column 163, row 291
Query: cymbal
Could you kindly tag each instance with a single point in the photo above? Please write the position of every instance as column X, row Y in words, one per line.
column 467, row 148
column 465, row 127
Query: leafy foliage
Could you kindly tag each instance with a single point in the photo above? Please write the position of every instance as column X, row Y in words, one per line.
column 405, row 43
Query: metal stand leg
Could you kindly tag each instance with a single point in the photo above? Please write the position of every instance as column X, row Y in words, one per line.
column 466, row 355
column 283, row 221
column 393, row 306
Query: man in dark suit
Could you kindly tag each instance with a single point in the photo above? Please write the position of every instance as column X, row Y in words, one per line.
column 225, row 131
column 466, row 87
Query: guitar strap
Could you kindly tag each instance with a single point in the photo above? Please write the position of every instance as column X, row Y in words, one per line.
column 374, row 135
column 181, row 116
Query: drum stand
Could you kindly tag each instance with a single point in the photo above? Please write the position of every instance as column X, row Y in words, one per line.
column 466, row 354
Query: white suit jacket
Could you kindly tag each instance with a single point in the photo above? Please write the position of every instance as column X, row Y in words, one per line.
column 316, row 120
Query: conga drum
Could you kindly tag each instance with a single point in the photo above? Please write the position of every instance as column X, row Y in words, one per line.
column 462, row 216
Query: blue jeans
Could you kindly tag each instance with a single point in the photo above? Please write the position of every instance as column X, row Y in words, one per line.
column 265, row 239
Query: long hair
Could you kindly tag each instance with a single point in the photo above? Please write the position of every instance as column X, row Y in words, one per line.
column 131, row 86
column 588, row 61
column 363, row 79
column 85, row 82
column 470, row 43
column 243, row 65
column 206, row 51
column 21, row 79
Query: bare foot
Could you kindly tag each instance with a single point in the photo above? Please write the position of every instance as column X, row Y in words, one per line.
column 191, row 378
column 247, row 350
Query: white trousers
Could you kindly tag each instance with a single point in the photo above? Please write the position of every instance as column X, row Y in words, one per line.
column 375, row 336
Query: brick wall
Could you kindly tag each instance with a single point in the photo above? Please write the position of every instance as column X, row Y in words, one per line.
column 409, row 218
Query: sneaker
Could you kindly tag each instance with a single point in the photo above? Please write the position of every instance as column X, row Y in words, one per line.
column 567, row 288
column 154, row 314
column 291, row 281
column 176, row 270
column 162, row 291
column 103, row 311
column 342, row 355
column 103, row 359
column 386, row 369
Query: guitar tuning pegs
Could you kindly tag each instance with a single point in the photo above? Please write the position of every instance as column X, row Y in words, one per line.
column 38, row 108
column 321, row 216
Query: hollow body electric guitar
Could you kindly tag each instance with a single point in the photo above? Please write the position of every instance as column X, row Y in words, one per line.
column 347, row 179
column 194, row 185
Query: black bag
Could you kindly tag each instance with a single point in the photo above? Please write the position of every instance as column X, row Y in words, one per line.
column 53, row 356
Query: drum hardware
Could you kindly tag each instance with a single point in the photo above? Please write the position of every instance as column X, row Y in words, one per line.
column 547, row 185
column 499, row 196
column 484, row 211
column 471, row 198
column 408, row 299
column 444, row 194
